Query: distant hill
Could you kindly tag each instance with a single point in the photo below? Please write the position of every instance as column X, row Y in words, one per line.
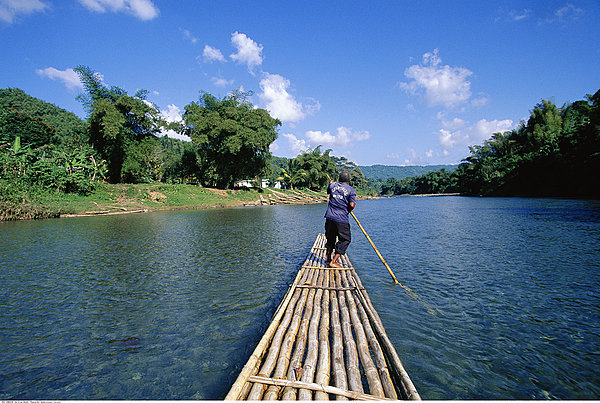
column 69, row 129
column 383, row 172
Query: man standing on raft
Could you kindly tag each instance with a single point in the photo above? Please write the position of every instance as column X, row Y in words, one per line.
column 342, row 200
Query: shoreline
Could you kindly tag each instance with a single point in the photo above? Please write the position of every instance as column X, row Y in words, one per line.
column 115, row 199
column 191, row 208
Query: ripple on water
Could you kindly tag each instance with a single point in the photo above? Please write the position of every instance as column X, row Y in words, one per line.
column 170, row 305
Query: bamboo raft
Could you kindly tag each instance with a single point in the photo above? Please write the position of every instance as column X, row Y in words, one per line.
column 325, row 341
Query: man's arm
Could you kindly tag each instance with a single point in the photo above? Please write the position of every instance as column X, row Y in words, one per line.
column 351, row 206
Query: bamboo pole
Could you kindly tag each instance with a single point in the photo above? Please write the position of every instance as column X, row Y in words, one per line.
column 339, row 371
column 314, row 386
column 312, row 350
column 376, row 250
column 384, row 373
column 322, row 377
column 252, row 365
column 260, row 349
column 408, row 388
column 284, row 356
column 375, row 387
column 269, row 362
column 283, row 362
column 289, row 393
column 352, row 368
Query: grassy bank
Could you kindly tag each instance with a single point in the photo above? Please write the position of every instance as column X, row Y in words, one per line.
column 18, row 204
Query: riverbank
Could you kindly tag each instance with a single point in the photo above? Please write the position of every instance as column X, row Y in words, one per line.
column 108, row 199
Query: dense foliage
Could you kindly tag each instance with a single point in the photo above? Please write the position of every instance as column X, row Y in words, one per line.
column 47, row 156
column 232, row 137
column 43, row 148
column 379, row 172
column 313, row 168
column 122, row 129
column 555, row 153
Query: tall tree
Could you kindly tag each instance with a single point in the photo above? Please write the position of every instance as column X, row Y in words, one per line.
column 232, row 137
column 117, row 122
column 317, row 164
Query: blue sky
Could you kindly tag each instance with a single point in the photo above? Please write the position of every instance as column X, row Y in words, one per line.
column 379, row 82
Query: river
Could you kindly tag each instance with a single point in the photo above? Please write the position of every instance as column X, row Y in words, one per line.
column 504, row 302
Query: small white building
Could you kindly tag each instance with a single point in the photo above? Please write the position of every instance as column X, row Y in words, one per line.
column 248, row 183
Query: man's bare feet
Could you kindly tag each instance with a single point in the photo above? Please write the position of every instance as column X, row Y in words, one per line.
column 334, row 263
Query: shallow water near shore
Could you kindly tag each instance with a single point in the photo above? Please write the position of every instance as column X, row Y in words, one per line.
column 170, row 305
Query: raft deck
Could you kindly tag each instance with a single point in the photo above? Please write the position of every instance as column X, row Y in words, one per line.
column 325, row 341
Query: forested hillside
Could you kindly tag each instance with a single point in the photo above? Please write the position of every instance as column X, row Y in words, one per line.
column 383, row 172
column 17, row 109
column 555, row 153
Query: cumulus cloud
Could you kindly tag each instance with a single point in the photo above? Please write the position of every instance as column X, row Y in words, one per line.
column 173, row 114
column 248, row 51
column 141, row 9
column 453, row 124
column 9, row 9
column 438, row 84
column 343, row 137
column 211, row 54
column 452, row 135
column 277, row 100
column 295, row 144
column 274, row 147
column 68, row 77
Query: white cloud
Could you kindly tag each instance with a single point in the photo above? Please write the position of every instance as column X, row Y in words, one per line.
column 68, row 77
column 453, row 124
column 173, row 114
column 438, row 84
column 274, row 147
column 221, row 82
column 481, row 101
column 141, row 9
column 344, row 137
column 520, row 15
column 566, row 14
column 295, row 144
column 188, row 35
column 447, row 139
column 248, row 51
column 211, row 54
column 513, row 15
column 483, row 129
column 451, row 136
column 277, row 100
column 9, row 9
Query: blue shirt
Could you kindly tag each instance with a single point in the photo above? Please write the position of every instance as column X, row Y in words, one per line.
column 340, row 196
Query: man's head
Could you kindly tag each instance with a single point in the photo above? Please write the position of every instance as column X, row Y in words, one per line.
column 345, row 177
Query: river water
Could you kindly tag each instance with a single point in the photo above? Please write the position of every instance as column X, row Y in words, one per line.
column 504, row 300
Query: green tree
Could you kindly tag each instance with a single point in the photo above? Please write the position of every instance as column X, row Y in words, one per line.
column 32, row 131
column 294, row 174
column 317, row 164
column 117, row 123
column 63, row 129
column 232, row 137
